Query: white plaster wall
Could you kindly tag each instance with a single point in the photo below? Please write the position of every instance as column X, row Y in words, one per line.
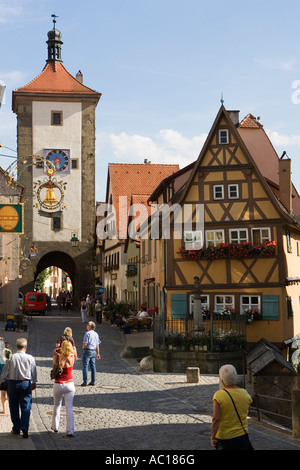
column 67, row 136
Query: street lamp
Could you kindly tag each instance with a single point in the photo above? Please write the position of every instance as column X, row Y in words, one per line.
column 74, row 240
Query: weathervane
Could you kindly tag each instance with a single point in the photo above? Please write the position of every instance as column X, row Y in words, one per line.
column 54, row 16
column 222, row 99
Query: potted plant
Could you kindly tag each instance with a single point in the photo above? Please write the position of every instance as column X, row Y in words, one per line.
column 252, row 314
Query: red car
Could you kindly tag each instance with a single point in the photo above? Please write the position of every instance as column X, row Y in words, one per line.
column 35, row 302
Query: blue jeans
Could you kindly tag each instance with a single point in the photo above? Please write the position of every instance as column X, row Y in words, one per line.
column 20, row 398
column 89, row 359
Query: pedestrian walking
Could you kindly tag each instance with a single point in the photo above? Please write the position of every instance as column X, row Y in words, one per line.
column 98, row 310
column 91, row 342
column 19, row 317
column 6, row 356
column 67, row 336
column 22, row 378
column 83, row 310
column 88, row 301
column 64, row 296
column 59, row 302
column 64, row 387
column 229, row 429
column 68, row 304
column 48, row 301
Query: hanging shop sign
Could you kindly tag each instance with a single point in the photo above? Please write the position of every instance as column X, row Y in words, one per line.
column 12, row 218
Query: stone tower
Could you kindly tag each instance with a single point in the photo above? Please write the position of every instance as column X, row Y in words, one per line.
column 56, row 164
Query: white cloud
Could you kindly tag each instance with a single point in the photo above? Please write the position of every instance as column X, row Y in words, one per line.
column 12, row 77
column 167, row 146
column 283, row 139
column 9, row 9
column 277, row 63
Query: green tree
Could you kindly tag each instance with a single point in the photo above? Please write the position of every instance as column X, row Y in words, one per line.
column 42, row 277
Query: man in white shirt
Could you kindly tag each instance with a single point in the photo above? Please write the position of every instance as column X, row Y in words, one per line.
column 88, row 304
column 22, row 378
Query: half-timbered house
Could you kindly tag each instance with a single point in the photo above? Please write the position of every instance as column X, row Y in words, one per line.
column 244, row 248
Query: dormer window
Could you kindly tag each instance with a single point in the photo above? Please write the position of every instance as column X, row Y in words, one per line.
column 223, row 136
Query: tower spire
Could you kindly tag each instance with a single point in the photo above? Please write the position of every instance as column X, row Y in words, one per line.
column 54, row 43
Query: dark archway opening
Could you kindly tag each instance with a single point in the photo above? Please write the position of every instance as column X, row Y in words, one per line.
column 62, row 261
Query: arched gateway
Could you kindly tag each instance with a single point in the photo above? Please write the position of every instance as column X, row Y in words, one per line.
column 56, row 164
column 62, row 261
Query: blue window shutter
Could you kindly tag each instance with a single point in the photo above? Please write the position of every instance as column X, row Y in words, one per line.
column 178, row 305
column 270, row 307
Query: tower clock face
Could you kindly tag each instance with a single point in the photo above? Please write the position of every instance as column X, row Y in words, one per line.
column 59, row 160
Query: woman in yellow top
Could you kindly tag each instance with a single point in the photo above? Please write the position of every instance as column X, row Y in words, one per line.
column 230, row 431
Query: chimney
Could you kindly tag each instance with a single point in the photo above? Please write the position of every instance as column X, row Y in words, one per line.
column 79, row 76
column 285, row 183
column 235, row 117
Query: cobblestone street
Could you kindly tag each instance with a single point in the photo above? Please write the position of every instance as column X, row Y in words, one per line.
column 126, row 409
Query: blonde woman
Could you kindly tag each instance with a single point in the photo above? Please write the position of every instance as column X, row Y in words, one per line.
column 64, row 387
column 67, row 335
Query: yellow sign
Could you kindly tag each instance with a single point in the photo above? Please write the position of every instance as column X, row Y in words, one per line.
column 11, row 218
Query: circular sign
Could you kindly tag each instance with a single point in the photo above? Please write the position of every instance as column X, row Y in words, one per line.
column 9, row 218
column 49, row 196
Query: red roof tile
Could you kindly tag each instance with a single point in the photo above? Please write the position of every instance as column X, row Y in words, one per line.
column 265, row 156
column 250, row 121
column 55, row 78
column 128, row 179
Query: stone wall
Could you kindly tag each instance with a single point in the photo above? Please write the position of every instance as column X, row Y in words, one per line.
column 276, row 396
column 209, row 363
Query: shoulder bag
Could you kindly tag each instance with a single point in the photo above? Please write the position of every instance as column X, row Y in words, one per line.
column 57, row 370
column 250, row 445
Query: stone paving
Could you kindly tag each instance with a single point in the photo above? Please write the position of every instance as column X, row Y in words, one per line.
column 126, row 409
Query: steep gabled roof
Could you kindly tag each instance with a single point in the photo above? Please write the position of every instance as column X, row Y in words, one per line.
column 250, row 122
column 254, row 158
column 178, row 179
column 9, row 186
column 127, row 179
column 54, row 79
column 264, row 154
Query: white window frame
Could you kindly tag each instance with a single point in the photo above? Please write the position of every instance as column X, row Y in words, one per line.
column 218, row 188
column 262, row 238
column 223, row 136
column 250, row 304
column 236, row 189
column 214, row 241
column 227, row 300
column 193, row 239
column 239, row 238
column 204, row 302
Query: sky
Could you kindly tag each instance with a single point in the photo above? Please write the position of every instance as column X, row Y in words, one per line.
column 162, row 67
